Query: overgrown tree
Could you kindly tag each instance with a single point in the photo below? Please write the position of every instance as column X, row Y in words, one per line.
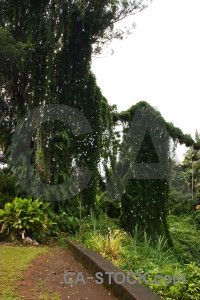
column 57, row 39
column 145, row 200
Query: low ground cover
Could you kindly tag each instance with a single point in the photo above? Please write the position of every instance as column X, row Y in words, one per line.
column 13, row 261
column 139, row 254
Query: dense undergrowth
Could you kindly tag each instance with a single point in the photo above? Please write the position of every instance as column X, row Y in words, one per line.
column 132, row 251
column 139, row 254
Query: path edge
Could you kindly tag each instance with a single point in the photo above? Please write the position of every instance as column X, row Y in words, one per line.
column 94, row 263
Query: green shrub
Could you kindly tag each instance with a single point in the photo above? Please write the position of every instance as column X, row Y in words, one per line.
column 7, row 183
column 23, row 214
column 181, row 208
column 179, row 290
column 140, row 253
column 185, row 238
column 67, row 216
column 108, row 206
column 179, row 202
column 66, row 223
column 7, row 189
column 111, row 208
column 5, row 198
column 197, row 219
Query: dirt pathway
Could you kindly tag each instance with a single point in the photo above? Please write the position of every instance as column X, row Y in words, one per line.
column 45, row 279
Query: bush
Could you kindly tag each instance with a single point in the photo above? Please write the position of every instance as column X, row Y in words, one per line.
column 197, row 219
column 111, row 208
column 23, row 214
column 65, row 223
column 7, row 189
column 68, row 216
column 180, row 203
column 178, row 290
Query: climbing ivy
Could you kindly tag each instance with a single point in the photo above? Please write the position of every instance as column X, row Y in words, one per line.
column 145, row 200
column 46, row 59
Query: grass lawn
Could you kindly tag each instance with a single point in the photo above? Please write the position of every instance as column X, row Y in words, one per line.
column 13, row 261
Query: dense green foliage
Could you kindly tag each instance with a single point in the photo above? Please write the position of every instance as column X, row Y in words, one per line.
column 7, row 189
column 145, row 201
column 180, row 196
column 50, row 54
column 123, row 213
column 23, row 215
column 184, row 185
column 191, row 170
column 139, row 254
column 46, row 49
column 46, row 59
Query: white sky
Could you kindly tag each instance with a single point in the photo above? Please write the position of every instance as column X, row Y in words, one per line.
column 159, row 63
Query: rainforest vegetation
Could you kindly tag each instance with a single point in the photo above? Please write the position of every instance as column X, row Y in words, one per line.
column 140, row 208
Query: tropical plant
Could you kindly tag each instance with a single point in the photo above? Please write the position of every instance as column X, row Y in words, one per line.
column 23, row 215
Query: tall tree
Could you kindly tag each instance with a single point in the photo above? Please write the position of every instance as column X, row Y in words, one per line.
column 57, row 39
